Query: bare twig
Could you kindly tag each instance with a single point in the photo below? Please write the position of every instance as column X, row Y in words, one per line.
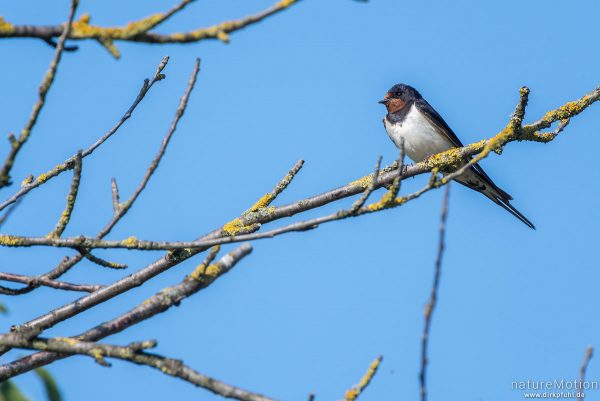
column 395, row 188
column 589, row 352
column 360, row 202
column 116, row 198
column 17, row 143
column 356, row 391
column 68, row 263
column 120, row 209
column 65, row 217
column 519, row 113
column 29, row 185
column 41, row 281
column 99, row 261
column 433, row 297
column 8, row 212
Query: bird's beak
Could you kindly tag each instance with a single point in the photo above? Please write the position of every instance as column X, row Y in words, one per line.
column 384, row 101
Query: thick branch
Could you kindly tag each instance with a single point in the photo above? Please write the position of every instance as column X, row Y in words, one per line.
column 36, row 326
column 204, row 275
column 68, row 263
column 134, row 353
column 7, row 214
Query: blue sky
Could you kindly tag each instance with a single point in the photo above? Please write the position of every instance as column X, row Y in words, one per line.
column 308, row 312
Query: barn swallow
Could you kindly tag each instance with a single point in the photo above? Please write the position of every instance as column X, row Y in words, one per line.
column 424, row 132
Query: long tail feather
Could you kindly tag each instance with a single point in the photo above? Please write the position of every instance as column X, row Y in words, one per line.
column 512, row 210
column 479, row 181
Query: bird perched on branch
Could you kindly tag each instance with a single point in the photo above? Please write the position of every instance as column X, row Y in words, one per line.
column 412, row 121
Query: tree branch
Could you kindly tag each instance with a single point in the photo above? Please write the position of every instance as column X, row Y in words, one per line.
column 261, row 212
column 36, row 326
column 65, row 217
column 356, row 391
column 138, row 31
column 121, row 209
column 42, row 281
column 450, row 160
column 134, row 353
column 8, row 212
column 17, row 143
column 99, row 261
column 433, row 297
column 33, row 183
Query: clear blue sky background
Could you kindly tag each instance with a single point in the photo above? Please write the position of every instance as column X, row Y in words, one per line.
column 308, row 312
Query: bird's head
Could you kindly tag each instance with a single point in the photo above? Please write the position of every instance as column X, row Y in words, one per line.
column 398, row 97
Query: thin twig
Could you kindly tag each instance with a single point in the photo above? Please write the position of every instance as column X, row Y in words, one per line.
column 357, row 390
column 99, row 261
column 589, row 353
column 65, row 217
column 68, row 263
column 40, row 281
column 8, row 212
column 433, row 298
column 17, row 143
column 360, row 202
column 68, row 164
column 395, row 188
column 121, row 209
column 519, row 113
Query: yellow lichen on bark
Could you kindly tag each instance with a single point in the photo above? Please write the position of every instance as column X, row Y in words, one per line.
column 130, row 242
column 363, row 182
column 285, row 3
column 261, row 203
column 82, row 28
column 354, row 392
column 6, row 27
column 567, row 110
column 67, row 340
column 233, row 227
column 10, row 240
column 206, row 274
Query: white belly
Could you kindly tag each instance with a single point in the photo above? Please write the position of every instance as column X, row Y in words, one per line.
column 420, row 137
